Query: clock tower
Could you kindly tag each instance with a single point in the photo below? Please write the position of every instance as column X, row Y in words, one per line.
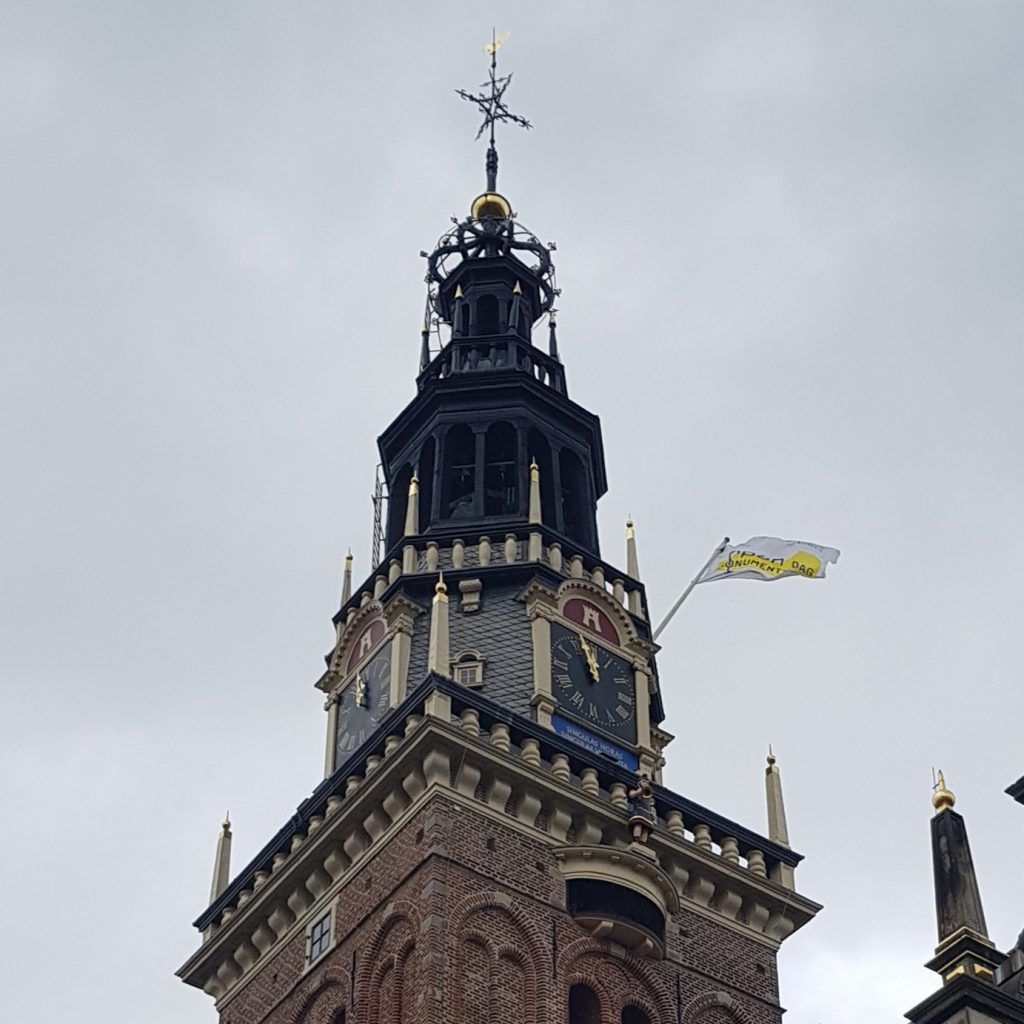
column 491, row 840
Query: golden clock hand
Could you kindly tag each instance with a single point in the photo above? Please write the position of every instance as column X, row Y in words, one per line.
column 588, row 650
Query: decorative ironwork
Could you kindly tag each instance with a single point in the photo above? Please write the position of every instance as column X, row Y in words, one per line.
column 492, row 106
column 379, row 497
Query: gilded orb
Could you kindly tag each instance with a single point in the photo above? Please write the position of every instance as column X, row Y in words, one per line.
column 491, row 205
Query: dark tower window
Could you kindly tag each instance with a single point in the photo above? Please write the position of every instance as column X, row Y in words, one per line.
column 501, row 472
column 398, row 498
column 487, row 315
column 634, row 1015
column 459, row 473
column 426, row 473
column 584, row 1006
column 575, row 512
column 464, row 319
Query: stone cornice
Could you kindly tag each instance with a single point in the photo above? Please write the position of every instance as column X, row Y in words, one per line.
column 266, row 908
column 678, row 812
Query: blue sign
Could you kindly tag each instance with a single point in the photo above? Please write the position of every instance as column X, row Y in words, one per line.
column 594, row 743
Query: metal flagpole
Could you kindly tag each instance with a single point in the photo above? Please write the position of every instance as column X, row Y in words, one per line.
column 686, row 593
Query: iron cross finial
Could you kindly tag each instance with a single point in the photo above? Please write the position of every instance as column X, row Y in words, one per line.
column 492, row 105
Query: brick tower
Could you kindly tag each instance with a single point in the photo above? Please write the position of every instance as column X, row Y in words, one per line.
column 491, row 841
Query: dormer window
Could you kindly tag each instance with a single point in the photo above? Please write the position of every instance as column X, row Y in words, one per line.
column 468, row 668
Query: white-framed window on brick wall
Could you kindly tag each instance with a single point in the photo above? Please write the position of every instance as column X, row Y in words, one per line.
column 468, row 668
column 318, row 938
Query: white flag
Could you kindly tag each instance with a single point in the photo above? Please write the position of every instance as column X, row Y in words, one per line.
column 769, row 558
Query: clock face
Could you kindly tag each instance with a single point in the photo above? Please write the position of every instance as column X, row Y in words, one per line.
column 363, row 703
column 592, row 684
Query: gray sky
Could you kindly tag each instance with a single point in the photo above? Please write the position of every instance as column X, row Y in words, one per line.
column 789, row 239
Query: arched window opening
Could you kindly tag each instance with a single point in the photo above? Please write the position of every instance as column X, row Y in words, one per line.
column 339, row 1017
column 575, row 500
column 487, row 314
column 584, row 1006
column 398, row 497
column 538, row 448
column 634, row 1015
column 459, row 485
column 501, row 492
column 426, row 472
column 463, row 320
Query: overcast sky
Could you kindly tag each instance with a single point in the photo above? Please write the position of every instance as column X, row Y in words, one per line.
column 790, row 245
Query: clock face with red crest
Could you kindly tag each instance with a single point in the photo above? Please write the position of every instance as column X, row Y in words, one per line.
column 363, row 703
column 365, row 641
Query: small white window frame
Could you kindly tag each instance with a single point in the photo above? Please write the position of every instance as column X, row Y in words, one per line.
column 328, row 915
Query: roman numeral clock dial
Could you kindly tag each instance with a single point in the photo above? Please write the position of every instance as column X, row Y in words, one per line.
column 592, row 684
column 363, row 703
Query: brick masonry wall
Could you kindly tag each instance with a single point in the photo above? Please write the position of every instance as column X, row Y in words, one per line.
column 460, row 919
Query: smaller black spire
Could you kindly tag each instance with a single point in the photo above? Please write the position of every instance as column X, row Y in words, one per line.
column 957, row 900
column 964, row 948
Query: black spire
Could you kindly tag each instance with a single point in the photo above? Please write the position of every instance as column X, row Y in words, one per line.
column 957, row 900
column 964, row 949
column 489, row 402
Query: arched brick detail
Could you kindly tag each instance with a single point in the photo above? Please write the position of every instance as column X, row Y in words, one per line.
column 641, row 1004
column 603, row 995
column 702, row 1008
column 520, row 949
column 643, row 984
column 390, row 948
column 394, row 915
column 389, row 970
column 491, row 899
column 319, row 998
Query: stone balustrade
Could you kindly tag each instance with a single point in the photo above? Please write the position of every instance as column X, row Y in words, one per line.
column 531, row 544
column 449, row 737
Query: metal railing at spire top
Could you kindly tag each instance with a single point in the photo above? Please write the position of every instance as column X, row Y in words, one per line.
column 379, row 497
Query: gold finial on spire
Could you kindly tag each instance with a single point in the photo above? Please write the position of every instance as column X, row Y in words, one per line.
column 458, row 292
column 414, row 484
column 771, row 756
column 632, row 562
column 441, row 587
column 534, row 470
column 942, row 798
column 222, row 861
column 346, row 580
column 518, row 290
